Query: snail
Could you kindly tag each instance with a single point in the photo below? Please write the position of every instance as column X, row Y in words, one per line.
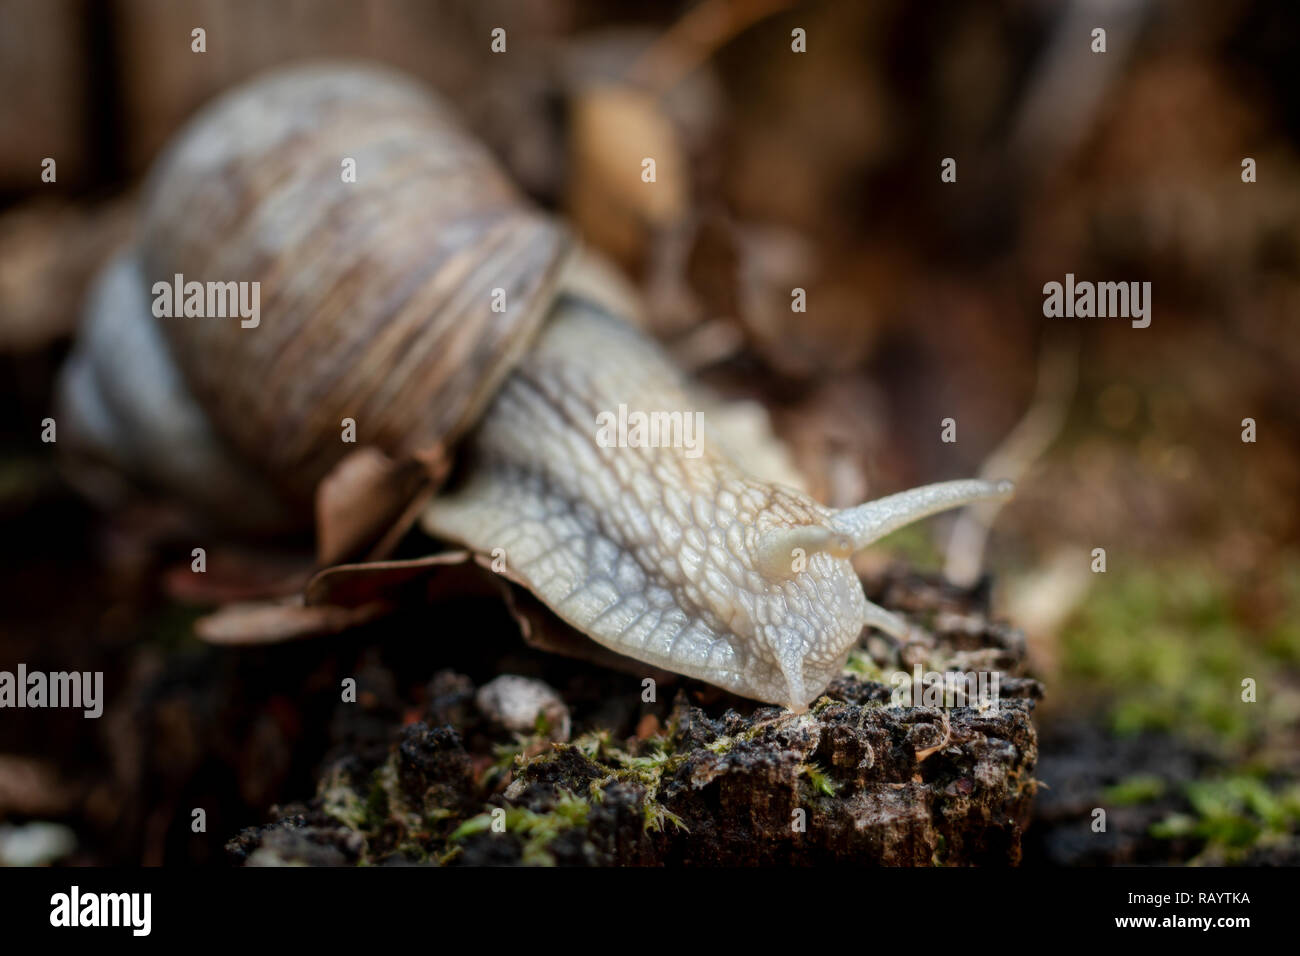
column 431, row 305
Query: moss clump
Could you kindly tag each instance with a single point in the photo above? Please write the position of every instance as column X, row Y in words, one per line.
column 913, row 545
column 647, row 771
column 509, row 756
column 1234, row 815
column 340, row 801
column 1168, row 648
column 537, row 830
column 819, row 779
column 377, row 802
column 1283, row 638
column 863, row 665
column 1136, row 790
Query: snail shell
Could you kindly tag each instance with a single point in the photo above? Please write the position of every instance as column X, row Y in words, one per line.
column 377, row 298
column 381, row 289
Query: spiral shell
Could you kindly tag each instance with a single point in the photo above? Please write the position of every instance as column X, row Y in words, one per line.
column 376, row 295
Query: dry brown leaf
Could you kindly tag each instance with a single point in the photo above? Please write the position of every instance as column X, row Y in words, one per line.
column 356, row 585
column 237, row 574
column 272, row 622
column 363, row 500
column 614, row 128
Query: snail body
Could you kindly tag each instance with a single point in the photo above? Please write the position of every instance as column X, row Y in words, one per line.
column 382, row 302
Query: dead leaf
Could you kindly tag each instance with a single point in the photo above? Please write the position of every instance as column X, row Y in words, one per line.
column 363, row 501
column 355, row 585
column 272, row 622
column 614, row 129
column 237, row 574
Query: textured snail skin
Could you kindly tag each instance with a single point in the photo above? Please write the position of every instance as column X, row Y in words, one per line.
column 684, row 563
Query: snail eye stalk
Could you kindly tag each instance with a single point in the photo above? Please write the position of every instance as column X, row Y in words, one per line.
column 870, row 522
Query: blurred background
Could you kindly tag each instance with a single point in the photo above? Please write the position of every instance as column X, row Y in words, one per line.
column 817, row 170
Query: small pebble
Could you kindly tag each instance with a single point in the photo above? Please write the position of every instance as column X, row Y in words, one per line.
column 517, row 702
column 35, row 844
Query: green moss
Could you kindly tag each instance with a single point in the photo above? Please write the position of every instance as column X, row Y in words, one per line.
column 1283, row 640
column 913, row 544
column 863, row 665
column 1138, row 789
column 648, row 771
column 572, row 808
column 341, row 802
column 384, row 809
column 656, row 815
column 1233, row 814
column 594, row 745
column 377, row 799
column 818, row 778
column 514, row 754
column 1168, row 649
column 536, row 830
column 476, row 825
column 940, row 854
column 649, row 768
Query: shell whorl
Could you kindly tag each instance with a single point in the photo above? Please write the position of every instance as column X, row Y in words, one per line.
column 376, row 295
